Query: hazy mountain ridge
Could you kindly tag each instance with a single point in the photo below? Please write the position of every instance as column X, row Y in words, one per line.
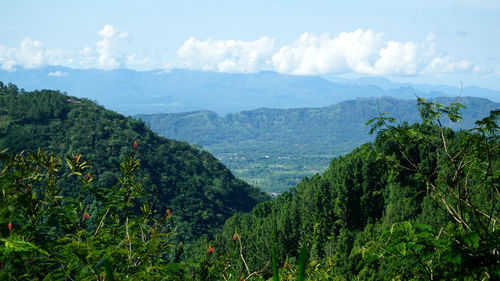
column 258, row 143
column 179, row 90
column 431, row 90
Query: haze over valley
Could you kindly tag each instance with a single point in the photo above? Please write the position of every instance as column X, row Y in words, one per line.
column 133, row 92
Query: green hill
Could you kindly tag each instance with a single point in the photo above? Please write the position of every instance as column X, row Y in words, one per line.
column 275, row 148
column 193, row 184
column 420, row 203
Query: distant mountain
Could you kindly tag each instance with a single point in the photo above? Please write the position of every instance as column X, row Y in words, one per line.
column 276, row 147
column 134, row 92
column 430, row 90
column 197, row 188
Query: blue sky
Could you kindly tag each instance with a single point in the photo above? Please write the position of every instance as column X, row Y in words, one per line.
column 438, row 42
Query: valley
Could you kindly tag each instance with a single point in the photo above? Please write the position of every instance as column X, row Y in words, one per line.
column 250, row 140
column 274, row 149
column 131, row 203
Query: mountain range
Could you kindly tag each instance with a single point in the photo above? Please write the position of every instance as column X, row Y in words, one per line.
column 386, row 205
column 179, row 90
column 275, row 148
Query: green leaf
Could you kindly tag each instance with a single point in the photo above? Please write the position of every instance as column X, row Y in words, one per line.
column 472, row 240
column 455, row 259
column 276, row 276
column 107, row 268
column 302, row 264
column 13, row 244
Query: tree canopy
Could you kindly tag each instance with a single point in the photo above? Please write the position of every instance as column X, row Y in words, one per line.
column 195, row 186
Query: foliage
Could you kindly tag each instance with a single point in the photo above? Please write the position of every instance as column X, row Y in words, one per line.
column 421, row 203
column 275, row 148
column 55, row 237
column 465, row 184
column 200, row 192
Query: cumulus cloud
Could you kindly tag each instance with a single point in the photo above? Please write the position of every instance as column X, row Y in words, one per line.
column 107, row 47
column 6, row 58
column 363, row 52
column 226, row 55
column 360, row 51
column 32, row 54
column 29, row 54
column 106, row 53
column 310, row 54
column 398, row 58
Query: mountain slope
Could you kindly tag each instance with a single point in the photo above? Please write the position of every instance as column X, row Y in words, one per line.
column 387, row 210
column 276, row 147
column 178, row 90
column 200, row 191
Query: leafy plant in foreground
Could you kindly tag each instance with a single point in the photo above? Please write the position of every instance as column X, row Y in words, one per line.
column 465, row 184
column 51, row 237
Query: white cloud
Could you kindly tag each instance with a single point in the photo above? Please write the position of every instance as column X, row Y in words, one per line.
column 85, row 58
column 364, row 52
column 398, row 58
column 442, row 65
column 226, row 55
column 145, row 61
column 107, row 47
column 361, row 51
column 7, row 58
column 57, row 74
column 349, row 51
column 30, row 54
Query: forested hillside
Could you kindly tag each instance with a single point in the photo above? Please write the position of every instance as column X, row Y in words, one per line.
column 421, row 203
column 275, row 148
column 190, row 182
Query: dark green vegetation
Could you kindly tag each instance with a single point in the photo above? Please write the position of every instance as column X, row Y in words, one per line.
column 420, row 203
column 198, row 189
column 275, row 148
column 48, row 236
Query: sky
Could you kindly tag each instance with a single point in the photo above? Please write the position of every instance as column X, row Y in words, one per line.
column 436, row 42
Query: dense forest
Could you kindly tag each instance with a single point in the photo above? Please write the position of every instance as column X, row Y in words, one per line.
column 200, row 191
column 275, row 148
column 419, row 203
